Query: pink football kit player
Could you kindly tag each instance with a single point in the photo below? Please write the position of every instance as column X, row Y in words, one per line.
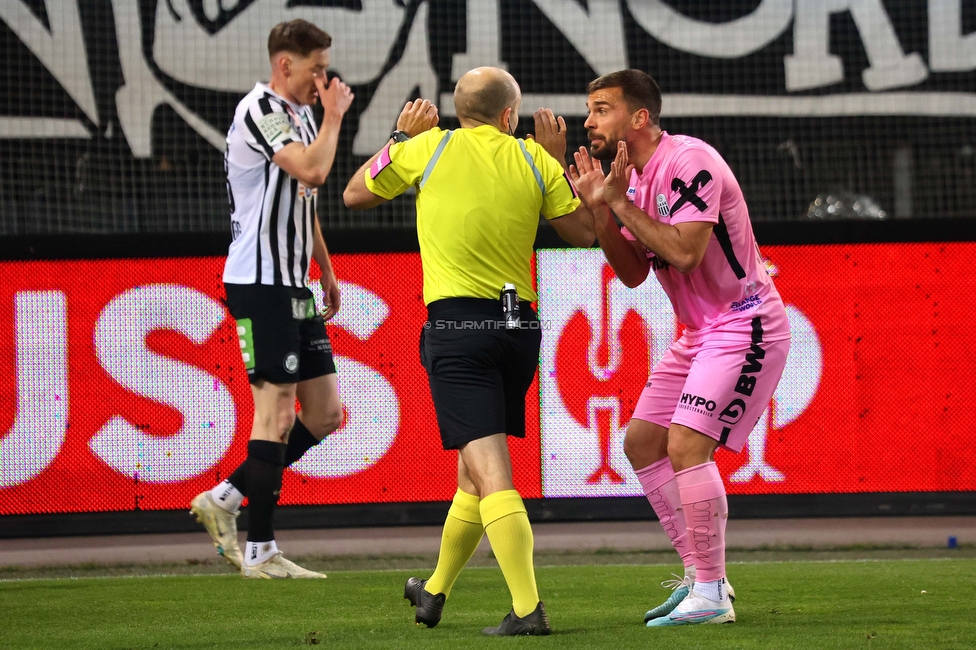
column 684, row 216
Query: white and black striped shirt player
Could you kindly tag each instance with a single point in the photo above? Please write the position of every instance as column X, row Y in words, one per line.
column 272, row 214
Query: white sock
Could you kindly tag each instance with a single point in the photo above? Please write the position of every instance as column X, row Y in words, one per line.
column 715, row 590
column 258, row 552
column 690, row 572
column 227, row 496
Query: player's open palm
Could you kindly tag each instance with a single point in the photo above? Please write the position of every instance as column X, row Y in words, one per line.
column 417, row 116
column 618, row 180
column 588, row 176
column 336, row 97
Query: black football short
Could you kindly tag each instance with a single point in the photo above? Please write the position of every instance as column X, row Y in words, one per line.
column 282, row 334
column 479, row 372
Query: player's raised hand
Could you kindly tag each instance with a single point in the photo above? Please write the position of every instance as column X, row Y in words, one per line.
column 336, row 97
column 618, row 180
column 417, row 116
column 588, row 177
column 550, row 133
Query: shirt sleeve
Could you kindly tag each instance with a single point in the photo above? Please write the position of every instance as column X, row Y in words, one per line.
column 401, row 165
column 695, row 186
column 269, row 127
column 560, row 197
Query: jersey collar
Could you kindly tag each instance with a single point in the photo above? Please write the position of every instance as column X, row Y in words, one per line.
column 266, row 88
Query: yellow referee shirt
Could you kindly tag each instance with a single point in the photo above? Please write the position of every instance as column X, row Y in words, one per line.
column 479, row 196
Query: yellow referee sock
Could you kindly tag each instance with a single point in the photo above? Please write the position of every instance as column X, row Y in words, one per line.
column 510, row 535
column 462, row 534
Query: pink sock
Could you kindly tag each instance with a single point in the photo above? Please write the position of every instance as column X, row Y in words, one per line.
column 707, row 510
column 661, row 490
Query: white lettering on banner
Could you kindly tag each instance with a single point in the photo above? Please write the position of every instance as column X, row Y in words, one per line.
column 797, row 388
column 221, row 56
column 730, row 40
column 207, row 407
column 61, row 49
column 372, row 409
column 812, row 65
column 483, row 37
column 413, row 70
column 136, row 101
column 597, row 31
column 232, row 58
column 949, row 50
column 41, row 420
column 582, row 459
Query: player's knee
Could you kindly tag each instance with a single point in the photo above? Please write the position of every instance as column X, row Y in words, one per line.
column 285, row 422
column 632, row 448
column 326, row 422
column 678, row 450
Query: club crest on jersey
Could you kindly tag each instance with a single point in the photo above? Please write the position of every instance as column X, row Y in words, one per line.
column 631, row 193
column 662, row 206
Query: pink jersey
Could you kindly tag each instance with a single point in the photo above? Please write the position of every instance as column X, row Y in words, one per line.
column 687, row 180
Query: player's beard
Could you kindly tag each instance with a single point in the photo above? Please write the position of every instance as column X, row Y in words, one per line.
column 607, row 152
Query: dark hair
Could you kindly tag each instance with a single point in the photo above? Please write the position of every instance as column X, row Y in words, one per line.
column 639, row 90
column 298, row 37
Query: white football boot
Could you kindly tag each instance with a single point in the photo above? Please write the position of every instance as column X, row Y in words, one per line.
column 220, row 524
column 276, row 567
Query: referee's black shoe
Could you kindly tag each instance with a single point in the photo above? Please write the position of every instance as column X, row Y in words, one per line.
column 429, row 606
column 534, row 624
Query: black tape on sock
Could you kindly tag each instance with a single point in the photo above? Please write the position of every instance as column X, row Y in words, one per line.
column 238, row 478
column 269, row 452
column 300, row 440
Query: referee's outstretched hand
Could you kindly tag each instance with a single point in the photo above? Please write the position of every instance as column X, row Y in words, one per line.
column 417, row 116
column 550, row 133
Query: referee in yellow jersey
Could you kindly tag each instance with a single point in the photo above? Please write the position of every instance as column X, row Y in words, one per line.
column 480, row 192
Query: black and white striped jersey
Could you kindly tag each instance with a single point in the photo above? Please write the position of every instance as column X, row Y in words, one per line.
column 272, row 214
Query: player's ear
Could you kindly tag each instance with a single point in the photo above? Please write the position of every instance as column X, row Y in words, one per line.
column 641, row 118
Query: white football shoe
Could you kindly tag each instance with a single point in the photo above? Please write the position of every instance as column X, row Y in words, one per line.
column 680, row 587
column 277, row 567
column 220, row 524
column 696, row 609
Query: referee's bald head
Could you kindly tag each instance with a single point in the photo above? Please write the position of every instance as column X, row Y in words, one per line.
column 484, row 93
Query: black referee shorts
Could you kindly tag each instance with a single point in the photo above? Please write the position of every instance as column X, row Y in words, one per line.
column 479, row 371
column 282, row 334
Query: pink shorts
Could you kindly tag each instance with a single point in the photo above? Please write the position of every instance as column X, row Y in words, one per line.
column 718, row 388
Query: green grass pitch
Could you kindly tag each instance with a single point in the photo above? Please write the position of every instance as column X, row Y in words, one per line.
column 909, row 603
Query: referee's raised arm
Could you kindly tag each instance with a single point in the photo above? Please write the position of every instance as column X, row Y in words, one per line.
column 416, row 117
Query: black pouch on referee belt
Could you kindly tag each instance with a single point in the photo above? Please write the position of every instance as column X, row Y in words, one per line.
column 510, row 306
